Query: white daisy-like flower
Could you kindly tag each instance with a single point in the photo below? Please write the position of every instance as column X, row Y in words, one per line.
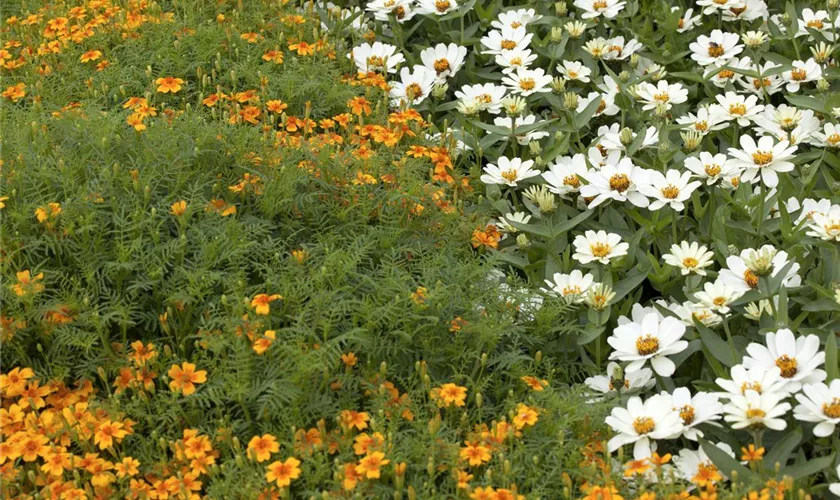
column 722, row 76
column 512, row 60
column 607, row 105
column 749, row 10
column 717, row 296
column 696, row 467
column 672, row 188
column 662, row 93
column 611, row 137
column 708, row 168
column 528, row 81
column 595, row 8
column 818, row 20
column 634, row 383
column 618, row 182
column 436, row 7
column 757, row 378
column 735, row 107
column 574, row 70
column 757, row 410
column 689, row 257
column 641, row 422
column 688, row 21
column 618, row 50
column 402, row 10
column 506, row 38
column 690, row 311
column 572, row 286
column 713, row 6
column 515, row 18
column 485, row 96
column 826, row 226
column 379, row 57
column 797, row 358
column 819, row 403
column 830, row 136
column 703, row 122
column 807, row 208
column 601, row 247
column 522, row 121
column 509, row 172
column 765, row 158
column 444, row 60
column 653, row 339
column 504, row 221
column 800, row 73
column 414, row 86
column 716, row 49
column 701, row 408
column 564, row 175
column 742, row 273
column 599, row 158
column 769, row 83
column 788, row 123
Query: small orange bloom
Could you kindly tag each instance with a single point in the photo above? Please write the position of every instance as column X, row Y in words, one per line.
column 184, row 377
column 261, row 303
column 260, row 448
column 90, row 55
column 302, row 48
column 178, row 208
column 283, row 473
column 169, row 84
column 369, row 466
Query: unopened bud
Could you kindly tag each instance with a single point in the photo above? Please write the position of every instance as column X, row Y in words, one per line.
column 556, row 34
column 626, row 136
column 570, row 100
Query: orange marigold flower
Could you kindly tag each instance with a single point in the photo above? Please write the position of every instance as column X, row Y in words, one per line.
column 489, row 237
column 263, row 343
column 636, row 467
column 261, row 303
column 91, row 55
column 27, row 283
column 452, row 394
column 276, row 106
column 168, row 84
column 370, row 465
column 751, row 454
column 302, row 48
column 351, row 477
column 475, row 454
column 178, row 208
column 14, row 382
column 349, row 359
column 359, row 105
column 274, row 56
column 55, row 463
column 357, row 419
column 184, row 377
column 15, row 92
column 107, row 432
column 50, row 211
column 283, row 473
column 534, row 383
column 250, row 37
column 260, row 448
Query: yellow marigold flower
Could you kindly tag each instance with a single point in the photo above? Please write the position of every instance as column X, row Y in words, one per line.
column 463, row 478
column 260, row 448
column 14, row 382
column 168, row 84
column 525, row 416
column 178, row 208
column 357, row 419
column 276, row 106
column 370, row 465
column 50, row 211
column 475, row 454
column 263, row 343
column 27, row 283
column 349, row 359
column 107, row 432
column 15, row 92
column 55, row 463
column 250, row 37
column 261, row 303
column 302, row 48
column 351, row 477
column 90, row 55
column 135, row 120
column 751, row 454
column 282, row 473
column 184, row 377
column 452, row 394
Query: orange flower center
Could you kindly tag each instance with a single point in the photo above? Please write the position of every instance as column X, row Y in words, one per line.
column 712, row 170
column 619, row 182
column 755, row 413
column 508, row 44
column 832, row 410
column 670, row 191
column 787, row 365
column 737, row 109
column 816, row 24
column 687, row 414
column 643, row 425
column 571, row 180
column 414, row 91
column 647, row 345
column 798, row 74
column 751, row 279
column 599, row 5
column 715, row 50
column 750, row 386
column 762, row 158
column 441, row 65
column 690, row 262
column 509, row 175
column 600, row 249
column 442, row 5
column 527, row 84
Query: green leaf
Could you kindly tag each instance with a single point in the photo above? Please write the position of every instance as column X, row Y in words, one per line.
column 716, row 345
column 627, row 285
column 566, row 226
column 725, row 463
column 831, row 362
column 588, row 112
column 805, row 469
column 782, row 450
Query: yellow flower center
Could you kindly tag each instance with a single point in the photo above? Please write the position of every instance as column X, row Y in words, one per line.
column 751, row 279
column 661, row 97
column 619, row 182
column 757, row 84
column 527, row 84
column 833, row 139
column 725, row 74
column 701, row 125
column 571, row 180
column 670, row 191
column 750, row 386
column 719, row 301
column 787, row 365
column 798, row 74
column 509, row 175
column 762, row 158
column 572, row 74
column 832, row 410
column 599, row 5
column 515, row 24
column 508, row 44
column 680, row 23
column 441, row 65
column 571, row 290
column 690, row 262
column 815, row 23
column 414, row 91
column 687, row 414
column 600, row 249
column 755, row 413
column 516, row 61
column 442, row 5
column 737, row 109
column 647, row 345
column 643, row 425
column 712, row 170
column 484, row 98
column 375, row 62
column 715, row 50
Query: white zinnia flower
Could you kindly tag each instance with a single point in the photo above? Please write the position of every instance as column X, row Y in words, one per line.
column 402, row 10
column 707, row 167
column 687, row 21
column 504, row 221
column 826, row 226
column 735, row 107
column 717, row 48
column 572, row 286
column 718, row 295
column 618, row 182
column 377, row 57
column 414, row 86
column 642, row 422
column 506, row 39
column 757, row 378
column 662, row 93
column 801, row 72
column 764, row 157
column 509, row 171
column 830, row 136
column 523, row 139
column 594, row 8
column 698, row 468
column 756, row 410
column 486, row 96
column 701, row 408
column 703, row 122
column 444, row 60
column 574, row 70
column 528, row 81
column 652, row 339
column 436, row 7
column 600, row 246
column 820, row 403
column 673, row 189
column 633, row 382
column 564, row 175
column 797, row 358
column 515, row 18
column 512, row 60
column 743, row 276
column 690, row 258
